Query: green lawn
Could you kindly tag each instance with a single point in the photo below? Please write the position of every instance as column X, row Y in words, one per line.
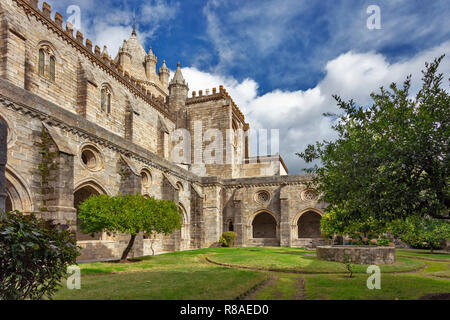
column 298, row 260
column 299, row 275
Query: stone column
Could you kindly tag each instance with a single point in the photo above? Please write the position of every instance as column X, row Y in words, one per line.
column 239, row 228
column 285, row 227
column 3, row 159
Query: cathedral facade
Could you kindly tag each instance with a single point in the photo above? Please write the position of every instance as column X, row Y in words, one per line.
column 81, row 122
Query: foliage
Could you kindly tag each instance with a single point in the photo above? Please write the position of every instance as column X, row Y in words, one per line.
column 34, row 256
column 334, row 223
column 227, row 239
column 383, row 242
column 129, row 214
column 390, row 160
column 422, row 232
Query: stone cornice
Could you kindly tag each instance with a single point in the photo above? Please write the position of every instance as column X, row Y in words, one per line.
column 105, row 63
column 30, row 104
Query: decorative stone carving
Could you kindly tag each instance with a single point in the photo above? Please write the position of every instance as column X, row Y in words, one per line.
column 310, row 195
column 262, row 196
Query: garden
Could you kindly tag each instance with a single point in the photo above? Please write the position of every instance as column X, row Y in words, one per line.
column 258, row 274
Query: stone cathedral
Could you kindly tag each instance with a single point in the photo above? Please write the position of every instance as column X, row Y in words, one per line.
column 80, row 123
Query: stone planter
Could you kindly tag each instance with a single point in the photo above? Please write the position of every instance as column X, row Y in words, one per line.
column 357, row 254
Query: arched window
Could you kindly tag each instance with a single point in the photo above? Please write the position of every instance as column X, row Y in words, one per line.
column 41, row 62
column 103, row 99
column 52, row 68
column 106, row 99
column 108, row 105
column 47, row 62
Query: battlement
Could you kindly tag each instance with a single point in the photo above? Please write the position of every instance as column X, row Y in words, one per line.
column 215, row 95
column 101, row 58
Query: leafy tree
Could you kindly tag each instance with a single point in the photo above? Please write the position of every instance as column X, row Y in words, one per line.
column 129, row 214
column 34, row 256
column 390, row 160
column 422, row 232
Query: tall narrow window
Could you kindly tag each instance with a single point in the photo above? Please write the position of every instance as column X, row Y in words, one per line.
column 109, row 103
column 41, row 62
column 52, row 68
column 103, row 99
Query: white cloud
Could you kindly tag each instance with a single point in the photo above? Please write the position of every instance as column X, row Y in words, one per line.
column 299, row 114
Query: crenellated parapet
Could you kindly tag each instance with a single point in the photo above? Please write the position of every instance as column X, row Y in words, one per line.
column 95, row 55
column 212, row 95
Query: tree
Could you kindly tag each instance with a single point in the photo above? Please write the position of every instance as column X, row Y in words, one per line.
column 390, row 160
column 129, row 214
column 34, row 256
column 422, row 233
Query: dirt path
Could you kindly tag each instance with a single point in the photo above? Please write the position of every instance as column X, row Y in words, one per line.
column 273, row 278
column 301, row 293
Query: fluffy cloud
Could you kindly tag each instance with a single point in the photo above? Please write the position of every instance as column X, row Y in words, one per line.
column 286, row 45
column 299, row 114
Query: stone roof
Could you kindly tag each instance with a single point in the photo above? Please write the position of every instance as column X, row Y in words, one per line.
column 178, row 77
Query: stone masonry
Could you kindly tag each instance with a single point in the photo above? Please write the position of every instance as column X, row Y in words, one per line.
column 80, row 122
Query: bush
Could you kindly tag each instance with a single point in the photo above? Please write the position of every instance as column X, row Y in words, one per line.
column 227, row 239
column 34, row 256
column 426, row 233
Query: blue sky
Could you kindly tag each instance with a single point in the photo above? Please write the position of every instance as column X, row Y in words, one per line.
column 281, row 60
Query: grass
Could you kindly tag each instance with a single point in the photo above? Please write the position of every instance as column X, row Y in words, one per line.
column 174, row 276
column 297, row 260
column 437, row 255
column 187, row 275
column 340, row 287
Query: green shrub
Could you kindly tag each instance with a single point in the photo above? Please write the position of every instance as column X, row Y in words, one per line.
column 426, row 233
column 34, row 256
column 383, row 242
column 227, row 239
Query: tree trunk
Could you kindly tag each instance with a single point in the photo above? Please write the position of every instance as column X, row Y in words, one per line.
column 128, row 248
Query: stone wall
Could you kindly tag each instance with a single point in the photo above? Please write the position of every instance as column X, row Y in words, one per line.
column 357, row 254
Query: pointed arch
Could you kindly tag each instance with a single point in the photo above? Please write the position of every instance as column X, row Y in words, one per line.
column 93, row 183
column 18, row 193
column 264, row 224
column 307, row 224
column 82, row 191
column 11, row 132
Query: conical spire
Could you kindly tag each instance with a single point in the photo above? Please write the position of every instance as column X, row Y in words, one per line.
column 151, row 56
column 178, row 77
column 105, row 52
column 164, row 68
